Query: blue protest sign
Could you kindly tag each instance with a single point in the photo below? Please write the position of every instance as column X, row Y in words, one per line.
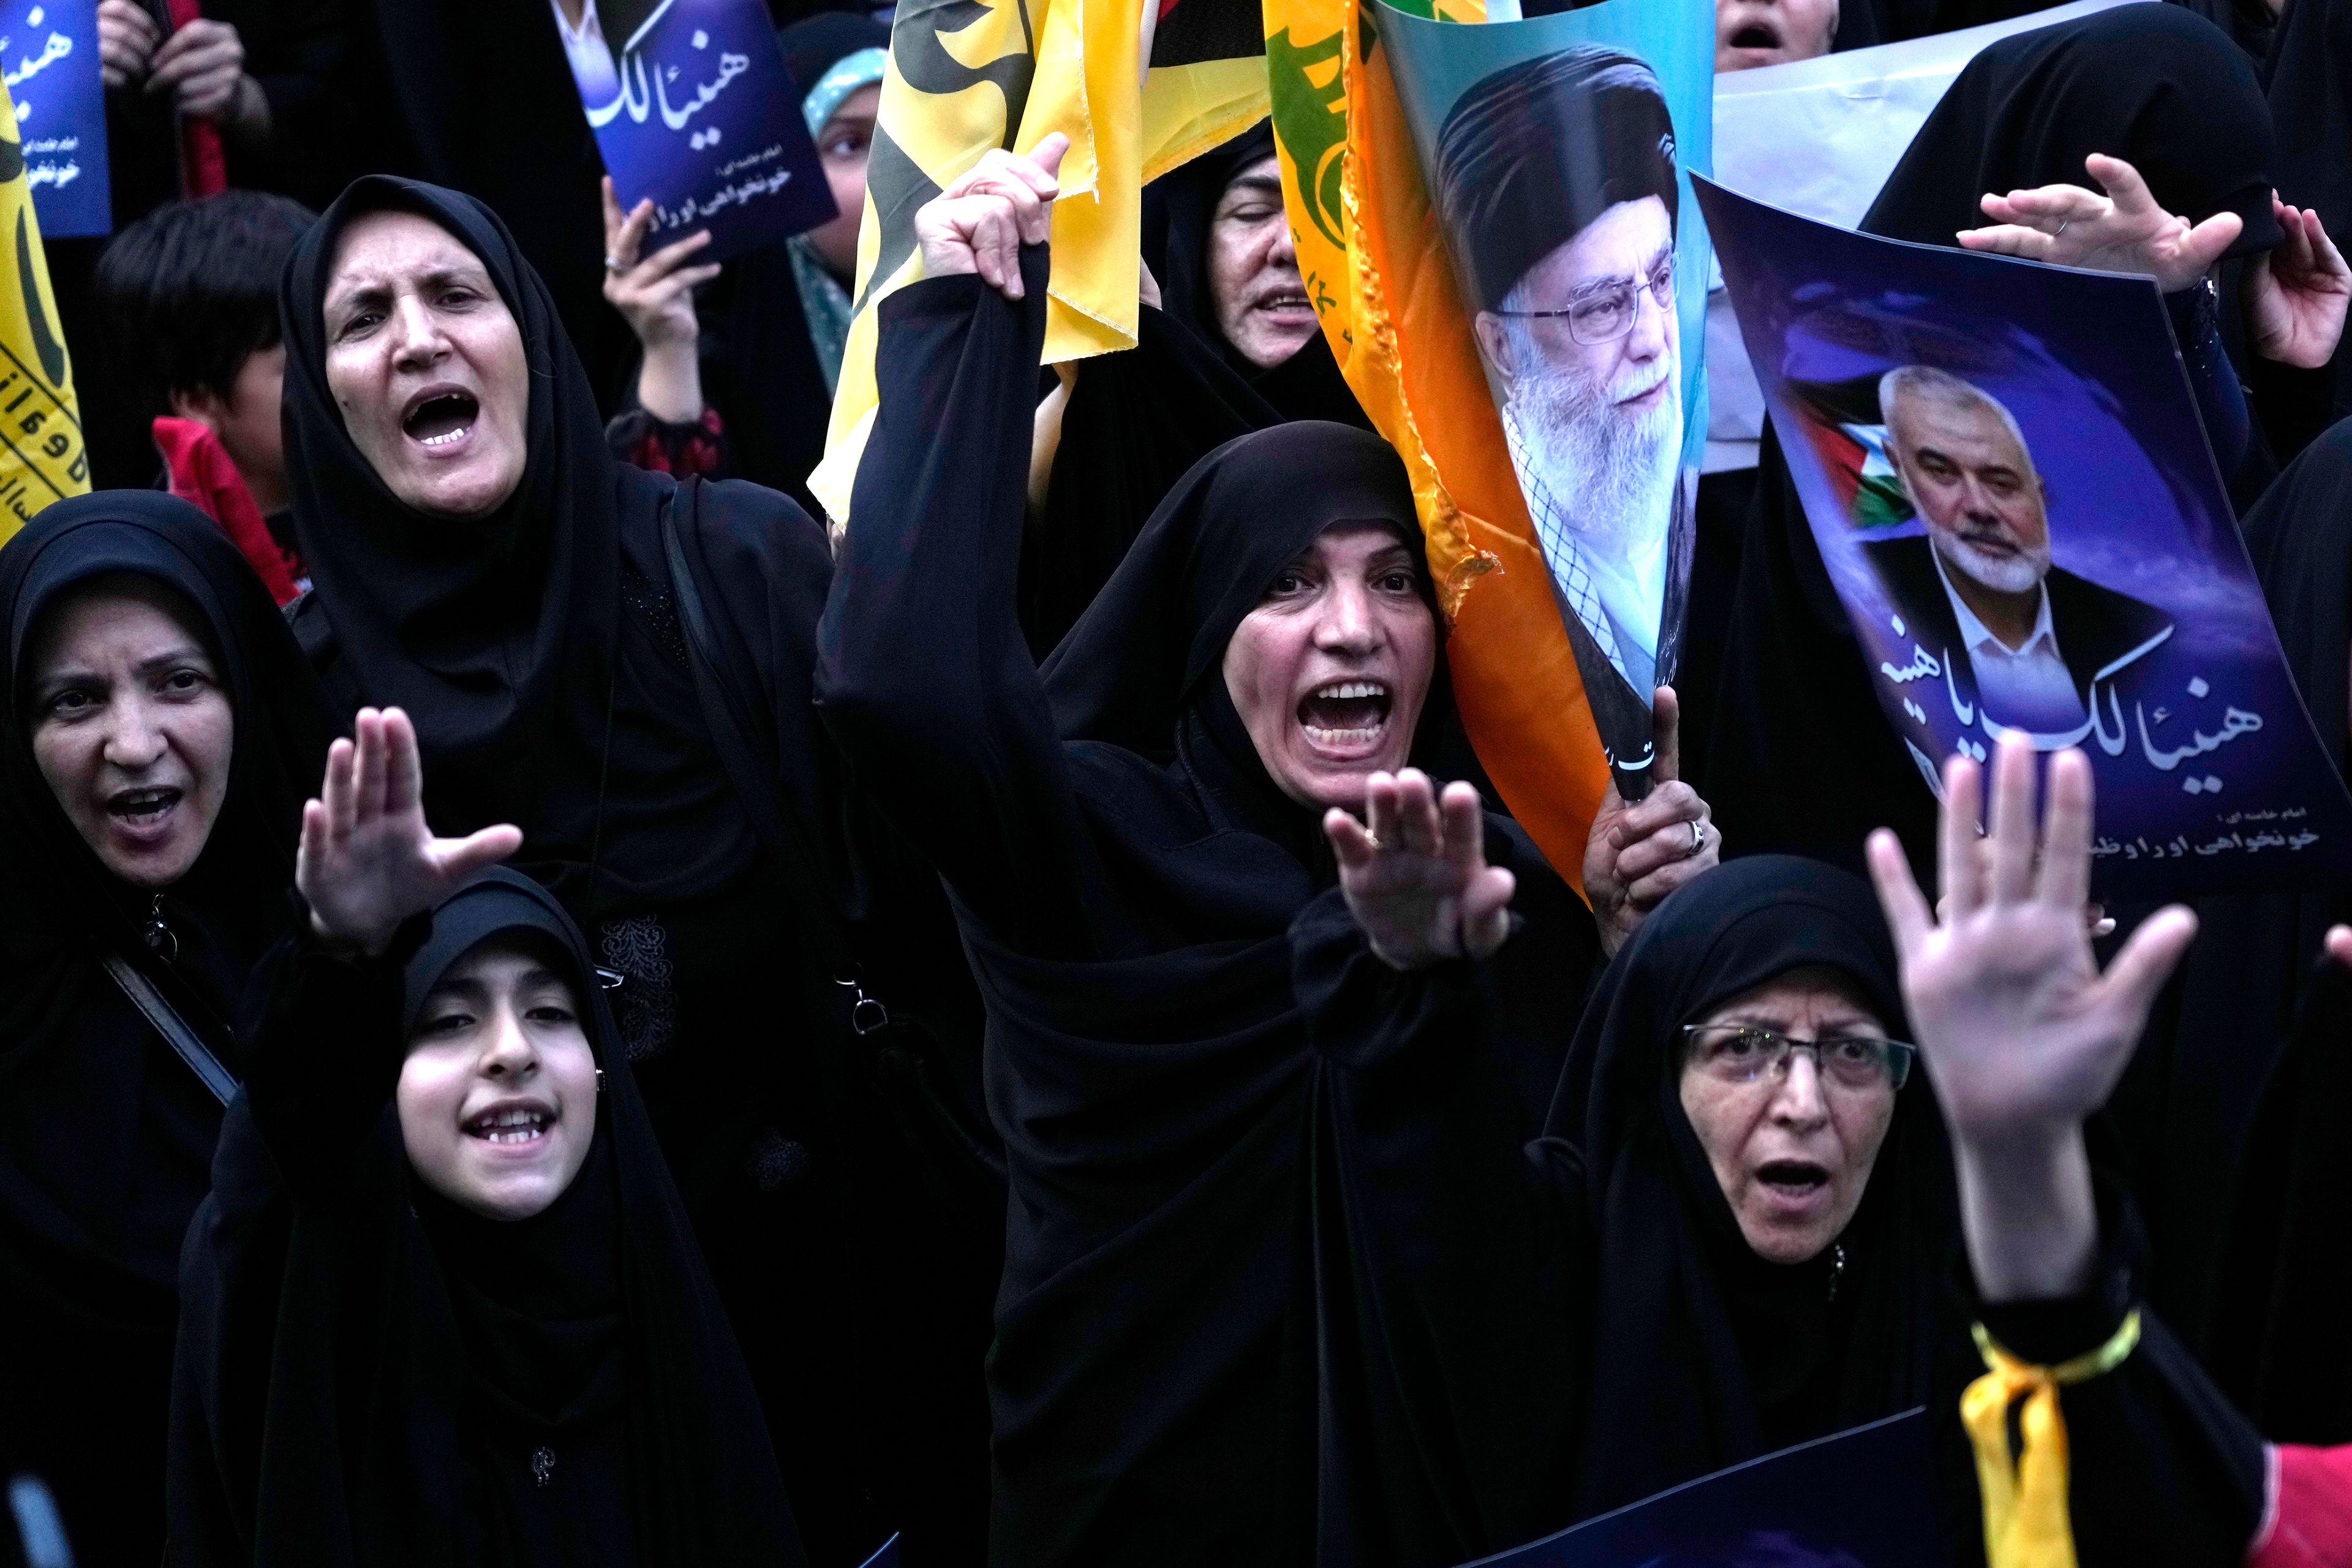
column 692, row 107
column 48, row 57
column 2080, row 578
column 1855, row 1500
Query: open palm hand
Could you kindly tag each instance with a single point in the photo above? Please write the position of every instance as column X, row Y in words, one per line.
column 1415, row 872
column 2122, row 230
column 367, row 862
column 2018, row 1030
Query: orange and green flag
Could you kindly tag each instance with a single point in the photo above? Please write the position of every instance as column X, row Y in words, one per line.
column 1373, row 253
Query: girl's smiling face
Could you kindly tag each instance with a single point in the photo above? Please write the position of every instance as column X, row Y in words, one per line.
column 498, row 1093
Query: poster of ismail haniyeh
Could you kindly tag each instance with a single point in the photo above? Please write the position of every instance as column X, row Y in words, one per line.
column 2004, row 468
column 1550, row 151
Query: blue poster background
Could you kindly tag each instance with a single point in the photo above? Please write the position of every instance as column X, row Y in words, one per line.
column 2210, row 774
column 692, row 106
column 48, row 55
column 1855, row 1500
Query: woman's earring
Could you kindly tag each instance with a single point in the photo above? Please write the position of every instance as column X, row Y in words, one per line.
column 600, row 1080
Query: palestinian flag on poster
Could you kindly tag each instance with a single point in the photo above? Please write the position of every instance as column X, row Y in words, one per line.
column 41, row 457
column 1375, row 265
column 1843, row 422
column 968, row 75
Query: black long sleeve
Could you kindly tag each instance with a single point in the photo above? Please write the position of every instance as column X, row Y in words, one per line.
column 325, row 1059
column 1451, row 1360
column 922, row 672
column 2161, row 1468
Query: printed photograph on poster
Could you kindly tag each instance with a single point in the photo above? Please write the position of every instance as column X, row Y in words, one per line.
column 48, row 57
column 1859, row 1498
column 693, row 108
column 2004, row 467
column 1557, row 152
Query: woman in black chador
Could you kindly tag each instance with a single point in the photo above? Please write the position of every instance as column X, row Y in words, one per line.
column 443, row 1305
column 1781, row 1219
column 1760, row 1215
column 618, row 663
column 162, row 731
column 1222, row 1011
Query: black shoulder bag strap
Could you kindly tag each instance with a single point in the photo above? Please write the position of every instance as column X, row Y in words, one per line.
column 156, row 1010
column 818, row 919
column 820, row 923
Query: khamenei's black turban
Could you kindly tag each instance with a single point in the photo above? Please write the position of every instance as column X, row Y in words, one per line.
column 1539, row 150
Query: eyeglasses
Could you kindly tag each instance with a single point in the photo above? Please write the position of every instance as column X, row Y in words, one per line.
column 1744, row 1053
column 1607, row 314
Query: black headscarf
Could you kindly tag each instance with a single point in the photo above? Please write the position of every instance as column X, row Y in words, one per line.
column 537, row 700
column 481, row 99
column 1136, row 662
column 1179, row 211
column 1136, row 421
column 1703, row 1354
column 1539, row 150
column 398, row 1337
column 106, row 1136
column 2252, row 1019
column 2151, row 84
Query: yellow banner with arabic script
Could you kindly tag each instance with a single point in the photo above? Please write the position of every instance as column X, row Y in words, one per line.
column 41, row 455
column 968, row 75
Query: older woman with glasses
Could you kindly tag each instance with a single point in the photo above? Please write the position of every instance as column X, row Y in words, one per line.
column 1755, row 1225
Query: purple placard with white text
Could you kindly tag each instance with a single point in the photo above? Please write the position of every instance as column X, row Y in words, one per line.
column 692, row 107
column 2003, row 465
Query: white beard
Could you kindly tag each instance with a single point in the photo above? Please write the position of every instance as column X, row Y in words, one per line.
column 1612, row 475
column 2018, row 574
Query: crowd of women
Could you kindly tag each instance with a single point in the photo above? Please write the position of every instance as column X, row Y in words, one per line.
column 619, row 1028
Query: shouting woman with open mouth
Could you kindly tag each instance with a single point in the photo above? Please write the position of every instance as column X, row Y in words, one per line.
column 162, row 731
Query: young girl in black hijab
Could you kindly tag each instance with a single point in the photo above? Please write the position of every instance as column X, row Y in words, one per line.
column 1219, row 1017
column 162, row 731
column 618, row 662
column 443, row 1305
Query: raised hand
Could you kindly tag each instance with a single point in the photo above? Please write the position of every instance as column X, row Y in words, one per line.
column 1415, row 873
column 2296, row 295
column 980, row 222
column 655, row 294
column 367, row 862
column 2121, row 231
column 2021, row 1035
column 1635, row 855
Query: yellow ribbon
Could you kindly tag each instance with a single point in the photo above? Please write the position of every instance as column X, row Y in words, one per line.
column 2025, row 1518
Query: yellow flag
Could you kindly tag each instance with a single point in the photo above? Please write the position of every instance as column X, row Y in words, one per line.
column 41, row 457
column 968, row 75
